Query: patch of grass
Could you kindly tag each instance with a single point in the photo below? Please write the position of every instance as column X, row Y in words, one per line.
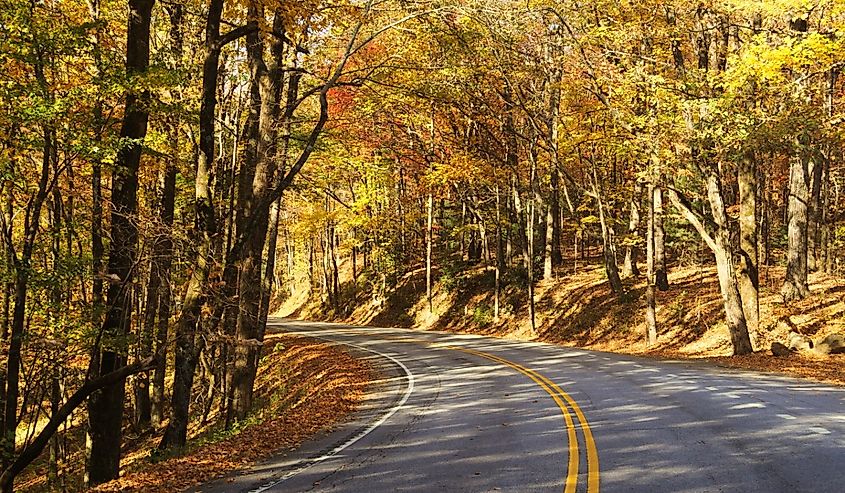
column 483, row 314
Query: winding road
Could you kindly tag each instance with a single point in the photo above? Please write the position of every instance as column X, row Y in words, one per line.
column 460, row 413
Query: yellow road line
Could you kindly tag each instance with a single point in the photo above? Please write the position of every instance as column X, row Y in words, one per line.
column 556, row 393
column 572, row 469
column 592, row 451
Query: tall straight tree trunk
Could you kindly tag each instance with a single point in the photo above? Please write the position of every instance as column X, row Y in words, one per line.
column 311, row 280
column 608, row 239
column 97, row 174
column 749, row 279
column 800, row 168
column 400, row 212
column 97, row 250
column 629, row 268
column 814, row 213
column 825, row 235
column 795, row 284
column 8, row 295
column 335, row 279
column 518, row 214
column 165, row 295
column 146, row 329
column 464, row 247
column 661, row 274
column 651, row 308
column 269, row 278
column 528, row 251
column 275, row 211
column 105, row 407
column 500, row 257
column 429, row 240
column 164, row 247
column 548, row 263
column 557, row 256
column 244, row 274
column 553, row 85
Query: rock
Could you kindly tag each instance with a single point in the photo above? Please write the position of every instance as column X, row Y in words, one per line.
column 779, row 349
column 832, row 344
column 798, row 342
column 785, row 324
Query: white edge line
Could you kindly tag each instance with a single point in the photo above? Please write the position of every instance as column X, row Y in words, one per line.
column 390, row 412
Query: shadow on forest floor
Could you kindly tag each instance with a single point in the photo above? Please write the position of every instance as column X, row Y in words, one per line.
column 578, row 309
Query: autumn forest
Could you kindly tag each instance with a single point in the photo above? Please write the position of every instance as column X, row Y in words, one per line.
column 176, row 172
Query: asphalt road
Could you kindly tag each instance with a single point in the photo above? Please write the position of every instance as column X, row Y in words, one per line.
column 475, row 414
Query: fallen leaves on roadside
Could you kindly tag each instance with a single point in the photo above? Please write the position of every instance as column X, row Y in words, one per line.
column 828, row 370
column 322, row 384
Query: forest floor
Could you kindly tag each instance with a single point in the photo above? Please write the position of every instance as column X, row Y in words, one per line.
column 579, row 310
column 303, row 387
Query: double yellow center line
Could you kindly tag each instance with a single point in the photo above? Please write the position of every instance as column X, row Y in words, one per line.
column 561, row 398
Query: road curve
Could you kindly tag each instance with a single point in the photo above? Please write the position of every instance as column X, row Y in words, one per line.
column 459, row 413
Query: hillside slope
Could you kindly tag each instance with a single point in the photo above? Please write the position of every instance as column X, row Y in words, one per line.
column 580, row 310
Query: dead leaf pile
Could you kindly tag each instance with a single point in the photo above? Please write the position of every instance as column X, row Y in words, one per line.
column 307, row 386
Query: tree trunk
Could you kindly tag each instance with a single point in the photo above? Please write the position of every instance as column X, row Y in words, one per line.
column 548, row 254
column 556, row 210
column 528, row 250
column 749, row 280
column 429, row 239
column 270, row 268
column 553, row 85
column 823, row 212
column 765, row 219
column 795, row 284
column 265, row 93
column 651, row 309
column 721, row 246
column 205, row 225
column 105, row 407
column 825, row 234
column 608, row 239
column 164, row 247
column 99, row 123
column 724, row 265
column 814, row 213
column 500, row 258
column 55, row 217
column 661, row 274
column 141, row 382
column 165, row 295
column 629, row 268
column 800, row 168
column 335, row 275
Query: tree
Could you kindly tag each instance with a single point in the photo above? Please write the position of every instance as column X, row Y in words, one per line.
column 105, row 406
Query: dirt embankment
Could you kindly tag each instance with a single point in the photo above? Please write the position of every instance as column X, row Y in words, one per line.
column 578, row 309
